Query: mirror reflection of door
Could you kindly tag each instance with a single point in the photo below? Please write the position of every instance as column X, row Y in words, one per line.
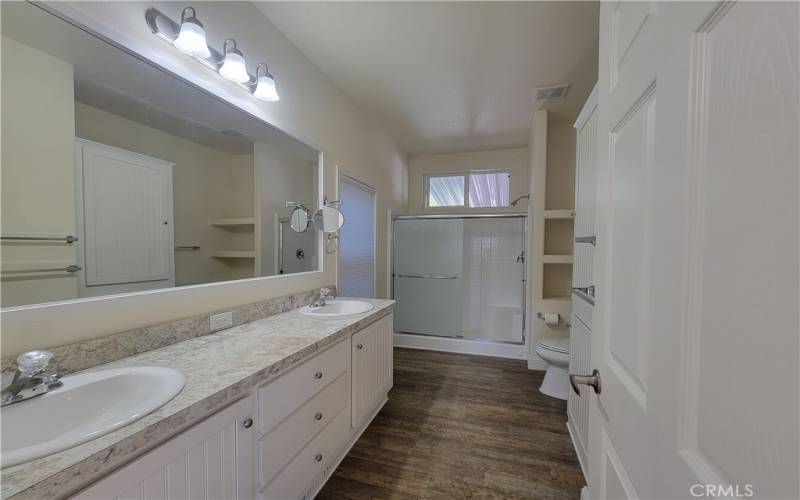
column 357, row 239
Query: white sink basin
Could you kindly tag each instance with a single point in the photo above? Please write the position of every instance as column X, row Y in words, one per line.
column 338, row 307
column 87, row 406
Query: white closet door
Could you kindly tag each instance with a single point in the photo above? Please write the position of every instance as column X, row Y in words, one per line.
column 127, row 216
column 357, row 248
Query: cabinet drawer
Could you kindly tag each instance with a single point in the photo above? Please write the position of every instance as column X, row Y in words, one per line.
column 294, row 480
column 281, row 397
column 280, row 445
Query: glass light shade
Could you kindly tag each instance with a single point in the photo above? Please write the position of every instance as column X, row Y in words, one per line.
column 192, row 40
column 233, row 68
column 265, row 89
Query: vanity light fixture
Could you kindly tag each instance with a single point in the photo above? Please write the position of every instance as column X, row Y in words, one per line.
column 265, row 85
column 192, row 37
column 233, row 67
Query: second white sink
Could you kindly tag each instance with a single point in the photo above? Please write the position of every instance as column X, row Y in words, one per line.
column 338, row 307
column 87, row 406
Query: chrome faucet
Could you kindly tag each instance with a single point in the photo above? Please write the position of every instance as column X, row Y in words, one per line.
column 324, row 295
column 31, row 379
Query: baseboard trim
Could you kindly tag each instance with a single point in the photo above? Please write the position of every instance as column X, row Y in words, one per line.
column 461, row 346
column 578, row 452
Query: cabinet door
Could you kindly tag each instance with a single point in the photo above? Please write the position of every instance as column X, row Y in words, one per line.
column 214, row 459
column 372, row 367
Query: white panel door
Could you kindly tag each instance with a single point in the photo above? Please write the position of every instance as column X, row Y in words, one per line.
column 695, row 329
column 585, row 193
column 127, row 216
column 213, row 460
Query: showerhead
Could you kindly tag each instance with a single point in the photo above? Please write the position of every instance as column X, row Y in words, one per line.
column 514, row 203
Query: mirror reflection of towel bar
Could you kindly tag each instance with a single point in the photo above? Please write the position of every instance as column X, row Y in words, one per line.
column 65, row 239
column 428, row 277
column 68, row 269
column 586, row 239
column 192, row 247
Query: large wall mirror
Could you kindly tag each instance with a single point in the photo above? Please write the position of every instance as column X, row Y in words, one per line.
column 118, row 177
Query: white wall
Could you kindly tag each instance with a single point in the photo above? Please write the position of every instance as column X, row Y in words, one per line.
column 311, row 108
column 515, row 160
column 38, row 133
column 280, row 177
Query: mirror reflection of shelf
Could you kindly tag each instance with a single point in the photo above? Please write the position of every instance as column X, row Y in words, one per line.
column 232, row 221
column 233, row 254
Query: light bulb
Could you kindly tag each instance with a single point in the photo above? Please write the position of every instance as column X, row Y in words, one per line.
column 192, row 37
column 265, row 85
column 233, row 67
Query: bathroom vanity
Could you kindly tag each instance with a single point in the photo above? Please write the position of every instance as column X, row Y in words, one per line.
column 268, row 410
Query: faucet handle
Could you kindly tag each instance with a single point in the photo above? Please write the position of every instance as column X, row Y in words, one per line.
column 324, row 292
column 34, row 361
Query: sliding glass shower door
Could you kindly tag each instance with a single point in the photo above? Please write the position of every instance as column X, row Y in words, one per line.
column 428, row 267
column 460, row 277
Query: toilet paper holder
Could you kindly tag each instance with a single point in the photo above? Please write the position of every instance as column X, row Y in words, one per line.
column 540, row 315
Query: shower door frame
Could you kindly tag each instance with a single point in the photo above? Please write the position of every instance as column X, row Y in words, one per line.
column 524, row 217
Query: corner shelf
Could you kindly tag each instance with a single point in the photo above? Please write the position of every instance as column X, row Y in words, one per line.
column 559, row 214
column 233, row 254
column 557, row 259
column 232, row 221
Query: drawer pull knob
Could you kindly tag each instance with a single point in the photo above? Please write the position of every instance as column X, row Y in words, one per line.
column 318, row 416
column 360, row 346
column 248, row 422
column 318, row 375
column 318, row 458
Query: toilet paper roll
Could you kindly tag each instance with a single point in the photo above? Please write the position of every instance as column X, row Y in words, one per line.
column 551, row 319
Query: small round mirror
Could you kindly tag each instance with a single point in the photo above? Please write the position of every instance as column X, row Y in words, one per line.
column 300, row 219
column 328, row 219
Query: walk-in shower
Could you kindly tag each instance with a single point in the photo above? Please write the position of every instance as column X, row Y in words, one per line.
column 460, row 277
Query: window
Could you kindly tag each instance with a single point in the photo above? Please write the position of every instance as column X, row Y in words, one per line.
column 474, row 189
column 357, row 239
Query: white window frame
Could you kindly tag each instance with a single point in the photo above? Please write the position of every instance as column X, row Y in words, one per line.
column 426, row 185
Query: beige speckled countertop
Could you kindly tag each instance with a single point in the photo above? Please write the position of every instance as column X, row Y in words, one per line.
column 219, row 369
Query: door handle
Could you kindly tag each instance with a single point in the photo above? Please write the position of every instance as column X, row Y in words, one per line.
column 592, row 380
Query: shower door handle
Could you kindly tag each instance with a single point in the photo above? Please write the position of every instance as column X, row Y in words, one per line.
column 426, row 277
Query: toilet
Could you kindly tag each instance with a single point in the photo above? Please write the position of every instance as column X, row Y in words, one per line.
column 555, row 350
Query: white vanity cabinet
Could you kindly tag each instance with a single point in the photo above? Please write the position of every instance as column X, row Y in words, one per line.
column 372, row 367
column 282, row 441
column 214, row 459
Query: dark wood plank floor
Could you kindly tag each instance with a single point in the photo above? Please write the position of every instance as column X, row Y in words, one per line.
column 459, row 426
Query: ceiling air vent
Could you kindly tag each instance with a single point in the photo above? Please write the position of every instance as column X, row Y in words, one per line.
column 552, row 92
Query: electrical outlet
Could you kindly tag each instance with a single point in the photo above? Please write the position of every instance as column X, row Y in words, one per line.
column 221, row 321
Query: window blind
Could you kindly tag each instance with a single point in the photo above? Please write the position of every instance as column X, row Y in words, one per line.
column 357, row 244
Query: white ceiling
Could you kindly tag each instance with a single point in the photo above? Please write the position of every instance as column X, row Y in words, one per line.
column 448, row 76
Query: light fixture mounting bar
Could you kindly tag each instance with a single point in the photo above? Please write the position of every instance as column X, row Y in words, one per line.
column 167, row 29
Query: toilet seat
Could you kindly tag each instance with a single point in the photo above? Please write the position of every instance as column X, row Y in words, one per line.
column 558, row 345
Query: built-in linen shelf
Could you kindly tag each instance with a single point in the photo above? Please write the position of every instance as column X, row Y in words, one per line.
column 233, row 221
column 234, row 254
column 557, row 259
column 559, row 214
column 548, row 300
